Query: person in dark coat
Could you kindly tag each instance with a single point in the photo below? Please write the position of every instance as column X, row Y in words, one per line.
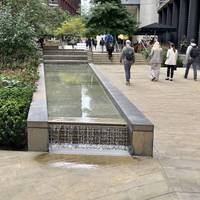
column 110, row 49
column 89, row 44
column 94, row 43
column 102, row 43
column 188, row 59
column 195, row 55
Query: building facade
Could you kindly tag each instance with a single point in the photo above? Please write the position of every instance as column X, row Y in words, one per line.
column 184, row 15
column 69, row 5
column 144, row 10
column 148, row 12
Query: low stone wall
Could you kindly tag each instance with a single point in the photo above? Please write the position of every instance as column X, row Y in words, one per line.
column 141, row 129
column 37, row 122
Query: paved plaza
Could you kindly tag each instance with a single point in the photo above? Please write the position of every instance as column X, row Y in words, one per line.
column 172, row 174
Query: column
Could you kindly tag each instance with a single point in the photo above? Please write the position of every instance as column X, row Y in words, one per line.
column 160, row 17
column 193, row 21
column 175, row 18
column 164, row 16
column 183, row 17
column 199, row 32
column 169, row 14
column 169, row 22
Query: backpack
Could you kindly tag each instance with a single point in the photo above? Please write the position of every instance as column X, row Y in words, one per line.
column 110, row 47
column 102, row 42
column 129, row 54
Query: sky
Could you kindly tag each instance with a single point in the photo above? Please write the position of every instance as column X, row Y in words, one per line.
column 85, row 5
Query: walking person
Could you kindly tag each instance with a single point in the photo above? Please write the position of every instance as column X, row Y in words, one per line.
column 110, row 49
column 155, row 61
column 188, row 59
column 94, row 43
column 172, row 56
column 195, row 56
column 128, row 58
column 102, row 43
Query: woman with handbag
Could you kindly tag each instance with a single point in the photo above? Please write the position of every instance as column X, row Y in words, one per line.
column 172, row 56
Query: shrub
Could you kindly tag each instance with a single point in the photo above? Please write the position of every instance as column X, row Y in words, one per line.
column 15, row 99
column 14, row 105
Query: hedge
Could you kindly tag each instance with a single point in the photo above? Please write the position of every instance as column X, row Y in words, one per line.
column 15, row 101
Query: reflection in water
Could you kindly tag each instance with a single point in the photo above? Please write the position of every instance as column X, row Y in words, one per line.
column 74, row 91
column 85, row 102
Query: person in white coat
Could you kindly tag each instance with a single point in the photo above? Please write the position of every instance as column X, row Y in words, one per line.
column 172, row 56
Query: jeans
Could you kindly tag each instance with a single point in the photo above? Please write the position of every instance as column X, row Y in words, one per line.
column 127, row 68
column 194, row 65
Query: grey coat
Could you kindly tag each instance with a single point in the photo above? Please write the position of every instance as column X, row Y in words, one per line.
column 123, row 56
column 155, row 56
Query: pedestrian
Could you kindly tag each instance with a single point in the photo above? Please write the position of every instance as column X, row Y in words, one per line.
column 89, row 43
column 188, row 59
column 94, row 43
column 172, row 56
column 110, row 49
column 195, row 56
column 155, row 60
column 102, row 43
column 108, row 38
column 128, row 58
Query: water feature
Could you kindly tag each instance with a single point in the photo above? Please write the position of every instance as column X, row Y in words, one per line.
column 80, row 113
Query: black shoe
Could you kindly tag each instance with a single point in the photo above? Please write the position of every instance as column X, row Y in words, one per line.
column 167, row 79
column 171, row 79
column 153, row 79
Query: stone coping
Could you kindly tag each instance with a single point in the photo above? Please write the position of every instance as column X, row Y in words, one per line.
column 38, row 115
column 87, row 120
column 135, row 118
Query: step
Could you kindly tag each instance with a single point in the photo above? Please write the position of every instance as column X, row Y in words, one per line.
column 65, row 57
column 65, row 61
column 64, row 53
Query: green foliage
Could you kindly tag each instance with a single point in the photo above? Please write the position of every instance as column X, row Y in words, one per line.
column 15, row 99
column 111, row 17
column 21, row 24
column 74, row 28
column 16, row 89
column 146, row 52
column 43, row 18
column 16, row 38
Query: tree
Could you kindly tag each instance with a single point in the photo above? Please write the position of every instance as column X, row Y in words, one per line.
column 17, row 38
column 43, row 18
column 73, row 28
column 110, row 16
column 21, row 24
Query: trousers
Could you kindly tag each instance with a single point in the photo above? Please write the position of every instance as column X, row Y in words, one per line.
column 155, row 71
column 194, row 66
column 127, row 69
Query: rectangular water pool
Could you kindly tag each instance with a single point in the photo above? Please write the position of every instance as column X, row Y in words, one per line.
column 80, row 112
